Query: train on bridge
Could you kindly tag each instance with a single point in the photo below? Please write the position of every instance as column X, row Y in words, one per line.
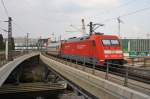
column 97, row 48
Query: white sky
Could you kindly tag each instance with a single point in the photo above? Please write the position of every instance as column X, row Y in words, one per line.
column 44, row 17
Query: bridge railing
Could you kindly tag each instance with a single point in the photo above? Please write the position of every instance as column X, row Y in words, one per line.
column 124, row 75
column 144, row 61
column 129, row 73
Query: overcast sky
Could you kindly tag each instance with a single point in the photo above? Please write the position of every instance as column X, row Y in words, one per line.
column 44, row 17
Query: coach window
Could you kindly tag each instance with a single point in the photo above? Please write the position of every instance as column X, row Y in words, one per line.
column 106, row 42
column 114, row 42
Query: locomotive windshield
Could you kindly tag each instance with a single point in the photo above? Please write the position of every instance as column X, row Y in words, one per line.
column 114, row 42
column 106, row 42
column 110, row 42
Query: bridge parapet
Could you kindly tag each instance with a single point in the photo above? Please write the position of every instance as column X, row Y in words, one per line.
column 96, row 86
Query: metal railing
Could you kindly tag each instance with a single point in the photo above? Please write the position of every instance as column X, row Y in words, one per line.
column 124, row 75
column 128, row 72
column 143, row 60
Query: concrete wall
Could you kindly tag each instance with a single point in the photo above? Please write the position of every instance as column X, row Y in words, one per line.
column 97, row 86
column 6, row 70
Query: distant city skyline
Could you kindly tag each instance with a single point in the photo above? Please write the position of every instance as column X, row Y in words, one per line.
column 45, row 17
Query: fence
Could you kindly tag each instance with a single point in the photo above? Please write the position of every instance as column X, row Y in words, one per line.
column 124, row 75
column 143, row 60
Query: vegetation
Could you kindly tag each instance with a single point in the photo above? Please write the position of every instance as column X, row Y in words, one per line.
column 12, row 44
column 2, row 44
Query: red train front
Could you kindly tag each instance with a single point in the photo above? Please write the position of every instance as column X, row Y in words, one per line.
column 102, row 48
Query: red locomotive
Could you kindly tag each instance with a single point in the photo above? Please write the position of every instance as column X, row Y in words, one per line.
column 98, row 47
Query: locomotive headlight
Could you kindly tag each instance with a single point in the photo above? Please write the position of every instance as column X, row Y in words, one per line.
column 107, row 51
column 113, row 52
column 119, row 52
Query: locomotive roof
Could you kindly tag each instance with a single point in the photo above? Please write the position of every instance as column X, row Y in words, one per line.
column 75, row 39
column 54, row 44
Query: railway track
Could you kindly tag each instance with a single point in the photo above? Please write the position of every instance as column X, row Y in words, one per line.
column 131, row 73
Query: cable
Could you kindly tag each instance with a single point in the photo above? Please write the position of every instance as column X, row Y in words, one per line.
column 6, row 11
column 140, row 10
column 123, row 5
column 3, row 29
column 127, row 3
column 120, row 6
column 127, row 14
column 1, row 20
column 75, row 28
column 18, row 26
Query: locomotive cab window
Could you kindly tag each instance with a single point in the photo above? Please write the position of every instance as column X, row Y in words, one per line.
column 114, row 42
column 110, row 42
column 106, row 42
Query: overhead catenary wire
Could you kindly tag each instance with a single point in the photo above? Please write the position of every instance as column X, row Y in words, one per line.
column 120, row 6
column 5, row 9
column 127, row 14
column 134, row 12
column 117, row 7
column 7, row 13
column 1, row 20
column 127, row 3
column 18, row 26
column 3, row 29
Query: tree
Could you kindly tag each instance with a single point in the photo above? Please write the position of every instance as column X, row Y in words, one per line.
column 12, row 43
column 2, row 45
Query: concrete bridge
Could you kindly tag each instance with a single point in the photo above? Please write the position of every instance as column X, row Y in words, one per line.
column 6, row 69
column 96, row 86
column 90, row 85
